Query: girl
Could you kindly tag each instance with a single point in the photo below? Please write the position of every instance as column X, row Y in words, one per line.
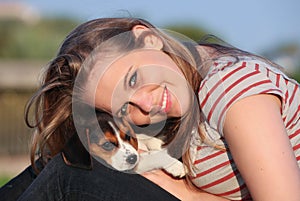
column 232, row 116
column 236, row 114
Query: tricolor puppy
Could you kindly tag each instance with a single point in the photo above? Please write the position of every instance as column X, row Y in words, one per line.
column 110, row 144
column 120, row 150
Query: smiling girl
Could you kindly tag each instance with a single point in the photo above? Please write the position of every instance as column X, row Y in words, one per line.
column 249, row 108
column 234, row 116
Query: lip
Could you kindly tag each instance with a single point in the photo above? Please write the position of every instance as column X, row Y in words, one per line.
column 165, row 101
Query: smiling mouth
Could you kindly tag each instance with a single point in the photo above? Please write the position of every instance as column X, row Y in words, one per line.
column 166, row 103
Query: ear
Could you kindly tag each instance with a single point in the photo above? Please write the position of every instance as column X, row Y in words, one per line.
column 150, row 41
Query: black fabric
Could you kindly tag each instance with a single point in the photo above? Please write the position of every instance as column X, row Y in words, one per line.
column 59, row 181
column 16, row 186
column 74, row 175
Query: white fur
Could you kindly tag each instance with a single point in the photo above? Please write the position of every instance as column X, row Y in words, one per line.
column 153, row 157
column 156, row 157
column 124, row 151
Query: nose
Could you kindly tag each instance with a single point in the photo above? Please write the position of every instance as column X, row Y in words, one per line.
column 143, row 100
column 131, row 159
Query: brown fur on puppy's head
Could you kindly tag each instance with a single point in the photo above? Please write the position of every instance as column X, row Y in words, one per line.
column 108, row 142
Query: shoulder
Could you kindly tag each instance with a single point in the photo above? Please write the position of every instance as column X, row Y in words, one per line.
column 232, row 78
column 238, row 73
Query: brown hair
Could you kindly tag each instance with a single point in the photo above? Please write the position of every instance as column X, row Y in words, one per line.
column 52, row 103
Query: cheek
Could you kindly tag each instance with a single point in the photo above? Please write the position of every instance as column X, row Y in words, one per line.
column 182, row 100
column 138, row 118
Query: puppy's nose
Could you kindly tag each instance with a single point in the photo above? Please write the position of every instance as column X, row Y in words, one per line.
column 131, row 159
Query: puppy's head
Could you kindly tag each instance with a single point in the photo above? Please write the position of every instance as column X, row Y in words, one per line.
column 116, row 148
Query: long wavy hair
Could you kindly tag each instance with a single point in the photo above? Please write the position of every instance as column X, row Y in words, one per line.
column 51, row 105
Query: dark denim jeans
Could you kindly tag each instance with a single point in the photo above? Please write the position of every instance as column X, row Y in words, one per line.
column 61, row 182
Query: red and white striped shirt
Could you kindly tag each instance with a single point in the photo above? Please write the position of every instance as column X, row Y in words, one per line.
column 228, row 81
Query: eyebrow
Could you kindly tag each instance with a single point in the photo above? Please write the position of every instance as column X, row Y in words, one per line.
column 126, row 77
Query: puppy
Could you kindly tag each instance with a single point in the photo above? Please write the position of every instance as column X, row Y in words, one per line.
column 110, row 144
column 120, row 150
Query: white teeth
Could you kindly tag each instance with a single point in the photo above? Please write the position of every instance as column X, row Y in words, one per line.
column 164, row 103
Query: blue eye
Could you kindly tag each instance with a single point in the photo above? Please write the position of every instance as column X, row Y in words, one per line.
column 123, row 109
column 132, row 80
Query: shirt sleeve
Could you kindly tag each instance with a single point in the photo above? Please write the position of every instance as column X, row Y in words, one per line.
column 227, row 83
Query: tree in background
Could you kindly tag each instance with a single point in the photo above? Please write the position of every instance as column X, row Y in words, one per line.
column 38, row 41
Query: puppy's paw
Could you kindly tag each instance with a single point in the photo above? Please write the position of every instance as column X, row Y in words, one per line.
column 177, row 169
column 146, row 163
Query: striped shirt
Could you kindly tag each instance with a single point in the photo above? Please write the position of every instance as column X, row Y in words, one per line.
column 228, row 81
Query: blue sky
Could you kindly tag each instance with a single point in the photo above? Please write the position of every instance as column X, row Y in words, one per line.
column 255, row 25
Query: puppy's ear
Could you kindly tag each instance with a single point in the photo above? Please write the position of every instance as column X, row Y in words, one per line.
column 151, row 41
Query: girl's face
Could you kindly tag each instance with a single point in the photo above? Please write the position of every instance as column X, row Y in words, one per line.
column 144, row 85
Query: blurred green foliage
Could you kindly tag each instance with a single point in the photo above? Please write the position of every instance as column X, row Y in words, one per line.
column 4, row 179
column 41, row 40
column 33, row 41
column 191, row 31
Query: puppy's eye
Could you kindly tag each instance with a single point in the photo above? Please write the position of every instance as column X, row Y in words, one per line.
column 108, row 146
column 132, row 80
